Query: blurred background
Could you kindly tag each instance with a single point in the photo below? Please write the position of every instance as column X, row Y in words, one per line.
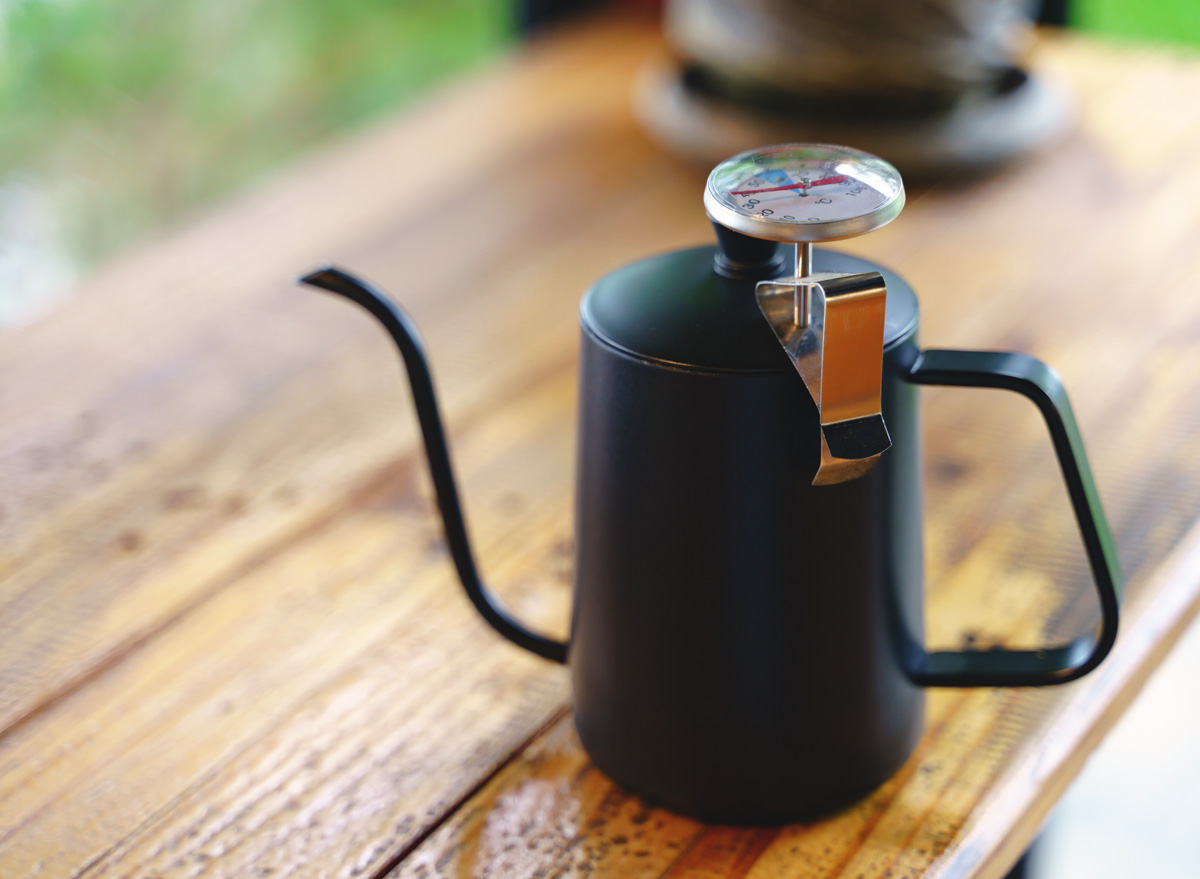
column 124, row 117
column 120, row 116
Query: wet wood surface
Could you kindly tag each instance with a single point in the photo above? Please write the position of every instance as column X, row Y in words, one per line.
column 231, row 642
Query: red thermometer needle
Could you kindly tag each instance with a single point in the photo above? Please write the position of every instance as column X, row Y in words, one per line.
column 841, row 178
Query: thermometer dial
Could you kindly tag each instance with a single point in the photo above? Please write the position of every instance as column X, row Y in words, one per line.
column 804, row 192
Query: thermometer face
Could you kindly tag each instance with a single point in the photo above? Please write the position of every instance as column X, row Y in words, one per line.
column 804, row 192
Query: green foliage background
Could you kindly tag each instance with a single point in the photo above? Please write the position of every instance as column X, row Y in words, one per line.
column 128, row 112
column 1173, row 21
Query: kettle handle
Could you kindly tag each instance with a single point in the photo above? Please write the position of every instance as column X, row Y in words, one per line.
column 403, row 330
column 1054, row 665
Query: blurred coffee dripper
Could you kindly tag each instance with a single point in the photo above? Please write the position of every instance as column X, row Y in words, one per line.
column 935, row 86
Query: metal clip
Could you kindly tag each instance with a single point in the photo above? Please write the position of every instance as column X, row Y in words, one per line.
column 831, row 326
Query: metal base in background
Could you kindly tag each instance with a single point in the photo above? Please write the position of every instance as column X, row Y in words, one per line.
column 977, row 135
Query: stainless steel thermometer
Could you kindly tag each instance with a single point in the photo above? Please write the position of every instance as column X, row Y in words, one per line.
column 830, row 325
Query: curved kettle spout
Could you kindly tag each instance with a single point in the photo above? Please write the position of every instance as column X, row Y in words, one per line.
column 403, row 330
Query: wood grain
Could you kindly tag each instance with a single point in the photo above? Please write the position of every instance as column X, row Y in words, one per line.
column 192, row 407
column 230, row 640
column 967, row 804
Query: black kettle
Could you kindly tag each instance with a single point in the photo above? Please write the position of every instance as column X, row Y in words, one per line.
column 746, row 640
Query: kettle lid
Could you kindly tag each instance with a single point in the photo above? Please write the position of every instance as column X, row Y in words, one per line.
column 675, row 309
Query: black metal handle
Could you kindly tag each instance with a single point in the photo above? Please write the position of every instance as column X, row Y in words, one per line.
column 1054, row 665
column 403, row 330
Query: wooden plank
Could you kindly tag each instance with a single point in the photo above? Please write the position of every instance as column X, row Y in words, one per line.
column 252, row 657
column 158, row 683
column 551, row 813
column 992, row 762
column 1009, row 816
column 316, row 705
column 191, row 408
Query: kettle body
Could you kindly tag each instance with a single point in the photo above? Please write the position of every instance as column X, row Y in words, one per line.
column 737, row 638
column 746, row 645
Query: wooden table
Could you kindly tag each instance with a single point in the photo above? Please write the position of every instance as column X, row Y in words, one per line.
column 231, row 643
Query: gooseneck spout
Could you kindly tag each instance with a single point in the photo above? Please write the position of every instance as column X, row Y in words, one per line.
column 403, row 330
